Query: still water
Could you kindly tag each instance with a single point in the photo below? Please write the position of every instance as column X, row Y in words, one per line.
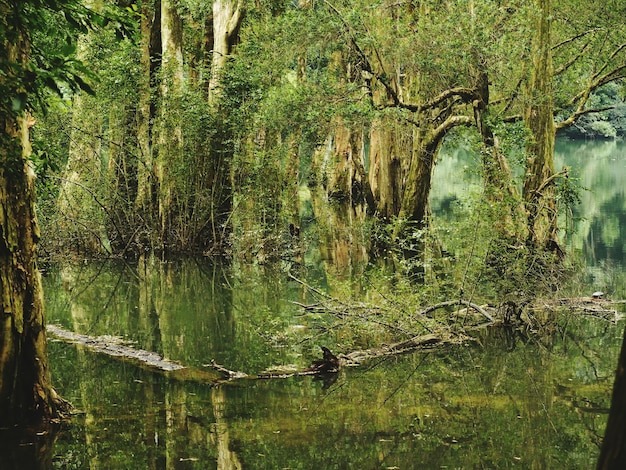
column 502, row 402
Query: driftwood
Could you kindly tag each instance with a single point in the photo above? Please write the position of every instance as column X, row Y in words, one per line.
column 115, row 346
column 421, row 342
column 121, row 349
column 589, row 306
column 329, row 364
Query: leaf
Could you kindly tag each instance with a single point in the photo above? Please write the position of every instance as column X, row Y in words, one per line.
column 83, row 85
column 68, row 49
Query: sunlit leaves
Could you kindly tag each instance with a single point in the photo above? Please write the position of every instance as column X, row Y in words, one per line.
column 49, row 29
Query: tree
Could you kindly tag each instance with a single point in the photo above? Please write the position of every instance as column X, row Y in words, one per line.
column 613, row 451
column 539, row 117
column 36, row 57
column 227, row 16
column 26, row 393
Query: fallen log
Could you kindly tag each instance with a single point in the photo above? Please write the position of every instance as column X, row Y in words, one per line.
column 415, row 343
column 114, row 346
column 121, row 349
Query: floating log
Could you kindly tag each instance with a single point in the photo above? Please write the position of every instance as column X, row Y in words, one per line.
column 119, row 348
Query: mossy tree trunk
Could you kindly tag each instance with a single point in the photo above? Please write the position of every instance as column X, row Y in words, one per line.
column 227, row 16
column 26, row 393
column 169, row 153
column 613, row 451
column 500, row 190
column 389, row 142
column 426, row 144
column 150, row 46
column 539, row 188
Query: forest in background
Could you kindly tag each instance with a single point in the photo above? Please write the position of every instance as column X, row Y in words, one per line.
column 203, row 126
column 181, row 127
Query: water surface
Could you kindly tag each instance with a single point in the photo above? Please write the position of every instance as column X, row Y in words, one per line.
column 506, row 400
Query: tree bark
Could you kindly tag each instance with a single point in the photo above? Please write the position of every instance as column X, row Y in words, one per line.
column 539, row 197
column 500, row 190
column 26, row 393
column 83, row 222
column 227, row 16
column 613, row 451
column 170, row 141
column 387, row 146
column 418, row 180
column 150, row 46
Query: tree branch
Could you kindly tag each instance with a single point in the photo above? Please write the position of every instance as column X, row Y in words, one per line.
column 448, row 124
column 578, row 113
column 466, row 94
column 571, row 62
column 574, row 38
column 451, row 303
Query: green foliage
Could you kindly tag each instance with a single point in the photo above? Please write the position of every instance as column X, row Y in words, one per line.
column 607, row 124
column 50, row 29
column 38, row 60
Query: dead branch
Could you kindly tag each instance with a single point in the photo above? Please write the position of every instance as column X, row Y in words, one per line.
column 421, row 342
column 451, row 303
column 229, row 374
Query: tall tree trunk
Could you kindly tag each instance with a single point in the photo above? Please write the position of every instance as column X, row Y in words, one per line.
column 385, row 166
column 613, row 451
column 500, row 191
column 539, row 190
column 79, row 201
column 426, row 144
column 346, row 169
column 170, row 144
column 84, row 176
column 418, row 181
column 146, row 113
column 227, row 16
column 26, row 393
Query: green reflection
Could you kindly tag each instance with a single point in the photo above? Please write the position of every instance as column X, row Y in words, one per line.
column 507, row 400
column 188, row 311
column 597, row 236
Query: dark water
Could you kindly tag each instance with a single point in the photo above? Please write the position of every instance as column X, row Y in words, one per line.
column 505, row 401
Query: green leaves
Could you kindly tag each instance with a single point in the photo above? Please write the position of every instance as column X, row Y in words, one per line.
column 50, row 28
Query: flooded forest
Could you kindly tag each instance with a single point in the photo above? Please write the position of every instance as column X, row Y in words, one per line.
column 243, row 234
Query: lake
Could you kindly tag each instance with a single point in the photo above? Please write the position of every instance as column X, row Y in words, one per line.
column 507, row 400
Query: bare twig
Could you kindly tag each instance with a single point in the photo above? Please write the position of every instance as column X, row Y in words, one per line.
column 451, row 303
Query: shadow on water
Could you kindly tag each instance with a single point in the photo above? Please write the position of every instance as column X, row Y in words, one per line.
column 33, row 450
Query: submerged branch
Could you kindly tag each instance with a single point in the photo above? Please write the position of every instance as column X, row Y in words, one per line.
column 329, row 365
column 420, row 342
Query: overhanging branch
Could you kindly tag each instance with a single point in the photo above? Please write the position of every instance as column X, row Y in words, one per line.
column 466, row 94
column 578, row 113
